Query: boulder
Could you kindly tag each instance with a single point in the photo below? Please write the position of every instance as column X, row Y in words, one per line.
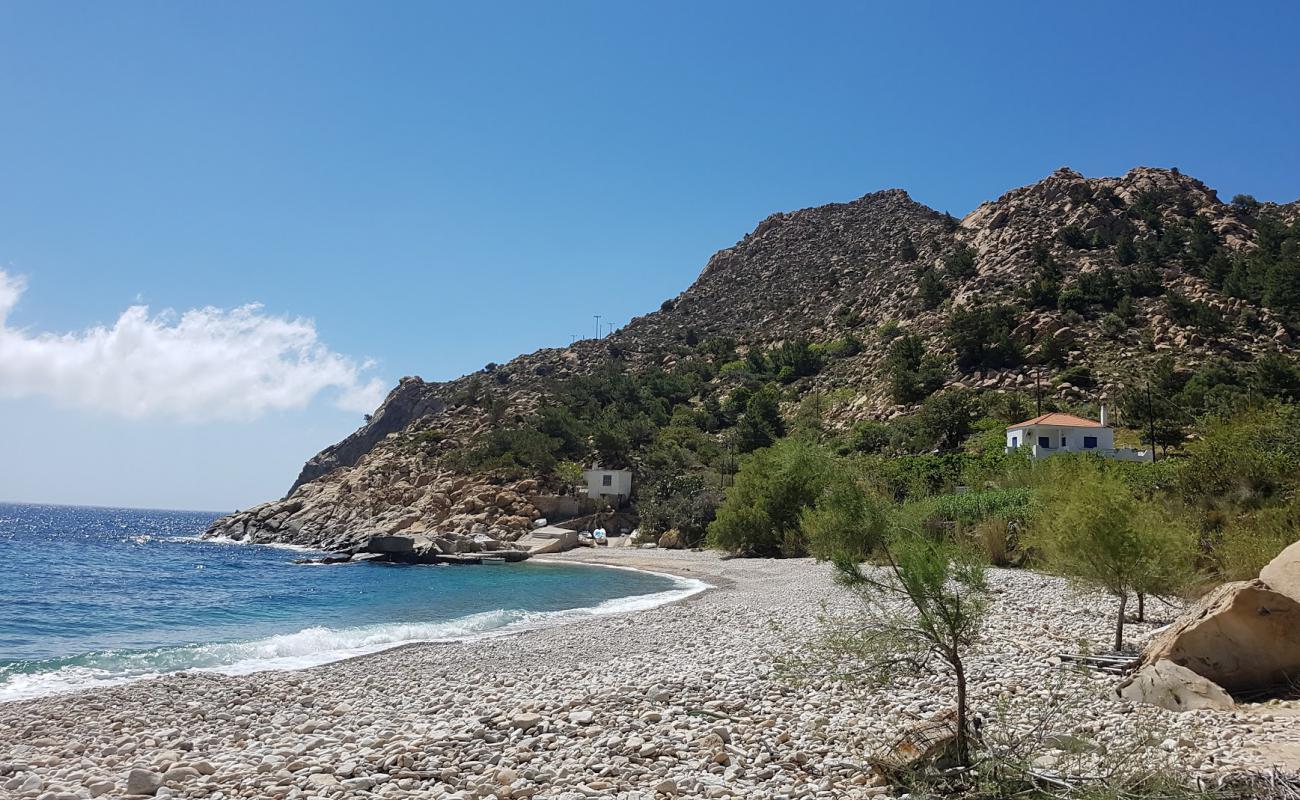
column 1175, row 688
column 1282, row 574
column 1242, row 636
column 143, row 781
column 397, row 544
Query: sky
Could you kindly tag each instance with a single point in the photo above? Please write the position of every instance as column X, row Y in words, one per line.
column 227, row 228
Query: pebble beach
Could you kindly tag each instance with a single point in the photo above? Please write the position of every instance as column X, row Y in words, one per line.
column 682, row 700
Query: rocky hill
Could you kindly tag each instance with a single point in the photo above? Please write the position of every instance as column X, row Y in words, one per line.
column 1102, row 275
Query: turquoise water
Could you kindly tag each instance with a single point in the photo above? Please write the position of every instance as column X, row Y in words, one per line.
column 95, row 596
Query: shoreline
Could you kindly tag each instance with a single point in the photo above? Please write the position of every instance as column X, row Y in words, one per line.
column 612, row 606
column 679, row 700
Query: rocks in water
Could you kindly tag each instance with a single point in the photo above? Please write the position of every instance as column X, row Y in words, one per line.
column 1175, row 688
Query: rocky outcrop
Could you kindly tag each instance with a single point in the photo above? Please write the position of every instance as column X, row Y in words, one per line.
column 1242, row 636
column 819, row 274
column 1282, row 574
column 409, row 401
column 1174, row 688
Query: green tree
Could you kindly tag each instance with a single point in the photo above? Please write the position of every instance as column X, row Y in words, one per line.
column 1092, row 528
column 848, row 517
column 982, row 339
column 945, row 598
column 914, row 374
column 794, row 359
column 961, row 263
column 947, row 418
column 761, row 424
column 761, row 513
column 931, row 288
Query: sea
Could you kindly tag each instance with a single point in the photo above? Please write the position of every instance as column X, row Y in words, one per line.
column 101, row 596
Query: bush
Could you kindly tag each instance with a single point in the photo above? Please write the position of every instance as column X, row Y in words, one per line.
column 1249, row 542
column 868, row 436
column 762, row 510
column 685, row 504
column 961, row 263
column 1079, row 375
column 913, row 374
column 1113, row 325
column 981, row 337
column 1246, row 460
column 994, row 538
column 1072, row 236
column 847, row 518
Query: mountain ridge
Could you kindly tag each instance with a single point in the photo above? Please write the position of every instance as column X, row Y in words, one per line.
column 1056, row 253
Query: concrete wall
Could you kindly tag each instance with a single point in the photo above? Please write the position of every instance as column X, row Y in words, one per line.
column 620, row 483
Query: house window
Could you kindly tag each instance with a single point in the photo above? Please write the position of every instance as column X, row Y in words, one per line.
column 606, row 480
column 1062, row 442
column 1015, row 441
column 1044, row 441
column 1089, row 442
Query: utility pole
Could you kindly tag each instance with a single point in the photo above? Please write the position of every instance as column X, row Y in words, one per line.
column 1151, row 423
column 1038, row 392
column 609, row 328
column 597, row 316
column 573, row 337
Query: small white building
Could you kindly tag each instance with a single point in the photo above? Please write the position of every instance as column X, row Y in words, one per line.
column 613, row 485
column 1054, row 433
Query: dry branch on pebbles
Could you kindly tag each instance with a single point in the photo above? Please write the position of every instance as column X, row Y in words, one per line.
column 679, row 701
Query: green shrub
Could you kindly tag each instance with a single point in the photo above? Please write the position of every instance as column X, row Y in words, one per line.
column 1249, row 542
column 981, row 337
column 761, row 513
column 868, row 436
column 961, row 263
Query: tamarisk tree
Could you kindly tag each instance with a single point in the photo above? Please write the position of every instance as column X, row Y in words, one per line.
column 926, row 603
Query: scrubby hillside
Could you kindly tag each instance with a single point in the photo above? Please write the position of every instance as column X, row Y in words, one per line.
column 826, row 319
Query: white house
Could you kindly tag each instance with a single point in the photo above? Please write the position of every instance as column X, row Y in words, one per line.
column 1054, row 433
column 614, row 485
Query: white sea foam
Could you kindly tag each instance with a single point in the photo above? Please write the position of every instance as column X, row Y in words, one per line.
column 318, row 645
column 298, row 548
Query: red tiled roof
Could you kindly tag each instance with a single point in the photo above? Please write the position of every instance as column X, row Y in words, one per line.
column 1059, row 420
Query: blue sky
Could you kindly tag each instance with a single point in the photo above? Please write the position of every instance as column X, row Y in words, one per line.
column 420, row 188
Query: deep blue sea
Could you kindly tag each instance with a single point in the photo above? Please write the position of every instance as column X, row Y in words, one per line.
column 93, row 596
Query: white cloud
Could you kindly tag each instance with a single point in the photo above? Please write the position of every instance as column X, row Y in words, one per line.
column 203, row 364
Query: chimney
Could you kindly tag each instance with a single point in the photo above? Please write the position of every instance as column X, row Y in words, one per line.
column 1103, row 414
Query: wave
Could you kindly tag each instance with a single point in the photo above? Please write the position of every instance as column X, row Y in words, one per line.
column 305, row 648
column 297, row 548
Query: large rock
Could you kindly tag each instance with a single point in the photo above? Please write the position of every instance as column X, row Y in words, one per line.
column 143, row 781
column 1175, row 688
column 1282, row 574
column 1243, row 636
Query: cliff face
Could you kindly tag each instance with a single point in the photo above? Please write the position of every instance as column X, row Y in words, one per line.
column 818, row 274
